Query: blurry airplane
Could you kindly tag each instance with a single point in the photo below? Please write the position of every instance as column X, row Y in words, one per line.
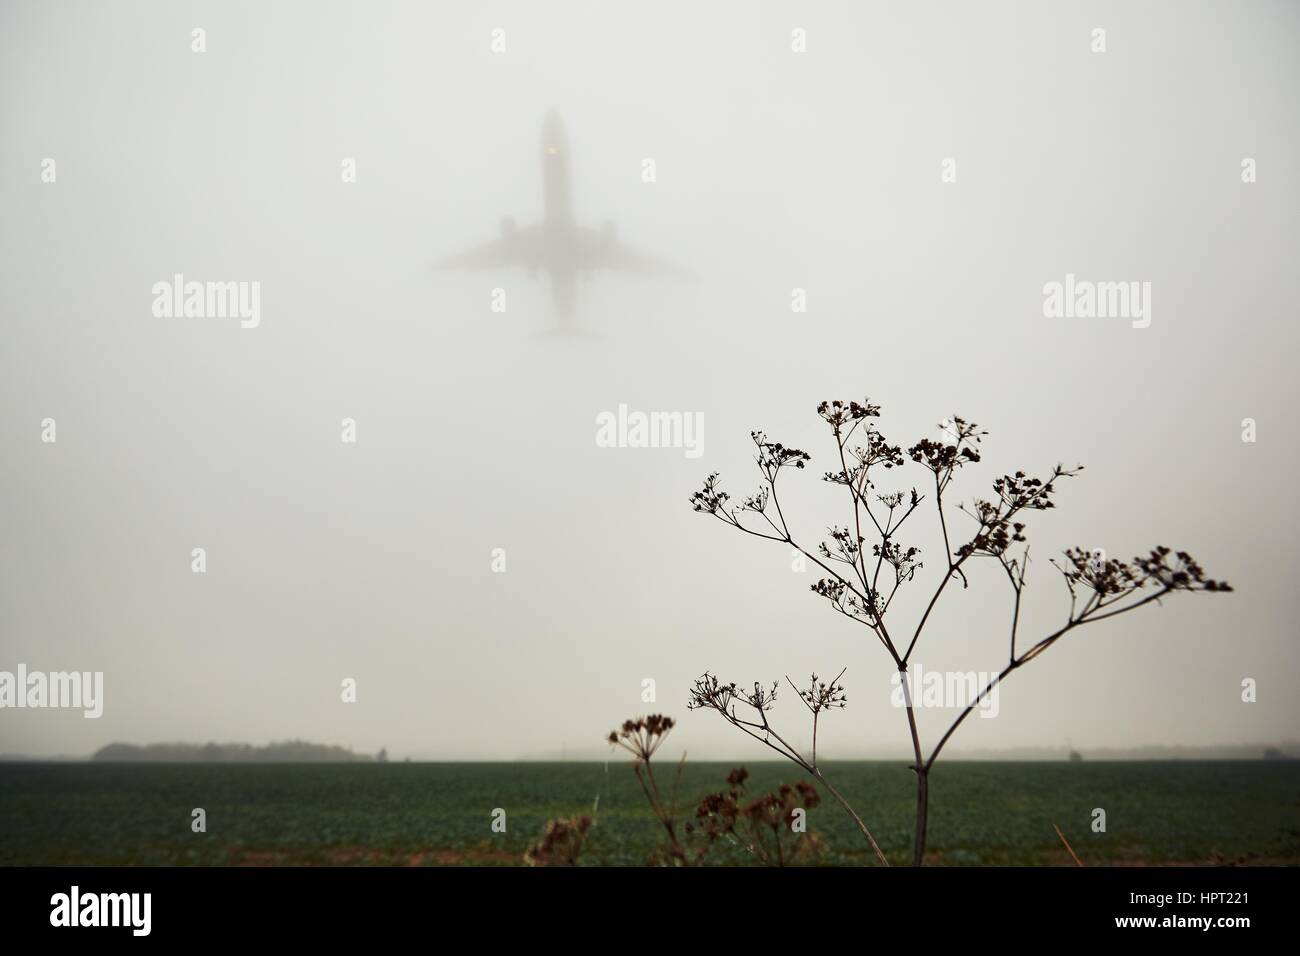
column 557, row 244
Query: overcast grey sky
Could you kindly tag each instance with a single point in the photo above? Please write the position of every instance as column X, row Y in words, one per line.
column 775, row 170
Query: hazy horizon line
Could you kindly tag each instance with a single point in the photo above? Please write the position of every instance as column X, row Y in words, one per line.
column 1286, row 749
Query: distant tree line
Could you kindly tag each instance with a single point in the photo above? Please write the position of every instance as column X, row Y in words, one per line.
column 290, row 751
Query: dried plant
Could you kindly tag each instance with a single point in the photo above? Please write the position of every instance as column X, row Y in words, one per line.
column 861, row 582
column 709, row 693
column 641, row 738
column 561, row 843
column 1069, row 849
column 761, row 825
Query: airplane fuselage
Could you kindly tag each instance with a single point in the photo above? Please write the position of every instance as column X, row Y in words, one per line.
column 560, row 248
column 558, row 210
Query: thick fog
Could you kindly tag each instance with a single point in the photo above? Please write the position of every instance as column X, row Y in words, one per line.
column 837, row 200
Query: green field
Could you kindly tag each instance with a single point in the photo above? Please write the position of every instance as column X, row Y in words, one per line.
column 439, row 814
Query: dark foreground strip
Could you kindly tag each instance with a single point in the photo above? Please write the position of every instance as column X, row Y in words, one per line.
column 482, row 905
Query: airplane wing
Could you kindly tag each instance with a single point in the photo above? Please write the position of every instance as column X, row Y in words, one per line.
column 514, row 247
column 600, row 249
